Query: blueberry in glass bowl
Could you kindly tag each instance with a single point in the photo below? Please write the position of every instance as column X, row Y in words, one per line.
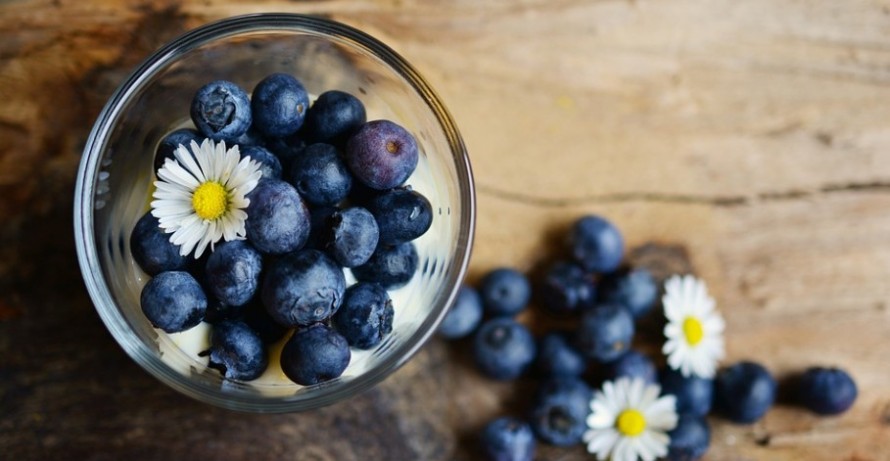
column 117, row 175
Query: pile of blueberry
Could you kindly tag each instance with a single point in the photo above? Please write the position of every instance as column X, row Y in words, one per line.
column 332, row 196
column 602, row 302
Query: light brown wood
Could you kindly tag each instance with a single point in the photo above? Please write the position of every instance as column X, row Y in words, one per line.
column 754, row 135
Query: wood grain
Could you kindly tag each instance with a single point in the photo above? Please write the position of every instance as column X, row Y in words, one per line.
column 752, row 137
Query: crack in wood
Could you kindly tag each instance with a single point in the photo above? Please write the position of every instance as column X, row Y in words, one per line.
column 690, row 199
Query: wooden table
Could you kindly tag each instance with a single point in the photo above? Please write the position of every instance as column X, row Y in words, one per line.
column 748, row 141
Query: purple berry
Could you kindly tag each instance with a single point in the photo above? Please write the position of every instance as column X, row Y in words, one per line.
column 382, row 154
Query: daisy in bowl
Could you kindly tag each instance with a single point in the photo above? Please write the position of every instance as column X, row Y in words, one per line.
column 200, row 198
column 694, row 330
column 629, row 421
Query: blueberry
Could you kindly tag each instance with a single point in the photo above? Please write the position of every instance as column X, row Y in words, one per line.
column 505, row 292
column 503, row 349
column 250, row 138
column 361, row 194
column 237, row 351
column 314, row 354
column 744, row 392
column 381, row 154
column 634, row 289
column 402, row 215
column 690, row 439
column 270, row 166
column 173, row 301
column 508, row 439
column 633, row 365
column 168, row 145
column 365, row 317
column 218, row 311
column 277, row 218
column 596, row 244
column 556, row 357
column 605, row 332
column 152, row 248
column 826, row 391
column 320, row 176
column 560, row 410
column 567, row 288
column 694, row 394
column 353, row 236
column 287, row 149
column 464, row 315
column 259, row 320
column 333, row 117
column 221, row 110
column 233, row 272
column 279, row 105
column 390, row 266
column 302, row 288
column 319, row 226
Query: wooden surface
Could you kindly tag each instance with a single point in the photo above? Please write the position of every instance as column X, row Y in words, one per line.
column 748, row 140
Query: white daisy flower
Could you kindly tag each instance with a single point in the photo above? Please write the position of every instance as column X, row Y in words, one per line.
column 629, row 421
column 200, row 196
column 695, row 330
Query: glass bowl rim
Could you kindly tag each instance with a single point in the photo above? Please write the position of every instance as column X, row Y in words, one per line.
column 87, row 177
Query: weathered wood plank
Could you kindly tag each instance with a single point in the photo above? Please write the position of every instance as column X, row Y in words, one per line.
column 750, row 137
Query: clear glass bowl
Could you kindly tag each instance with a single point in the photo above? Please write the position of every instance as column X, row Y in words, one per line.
column 115, row 176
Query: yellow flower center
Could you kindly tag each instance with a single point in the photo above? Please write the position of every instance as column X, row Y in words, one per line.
column 210, row 200
column 631, row 423
column 693, row 331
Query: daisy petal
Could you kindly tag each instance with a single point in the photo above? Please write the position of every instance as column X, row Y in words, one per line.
column 601, row 442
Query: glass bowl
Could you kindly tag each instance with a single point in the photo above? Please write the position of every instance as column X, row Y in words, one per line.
column 115, row 178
